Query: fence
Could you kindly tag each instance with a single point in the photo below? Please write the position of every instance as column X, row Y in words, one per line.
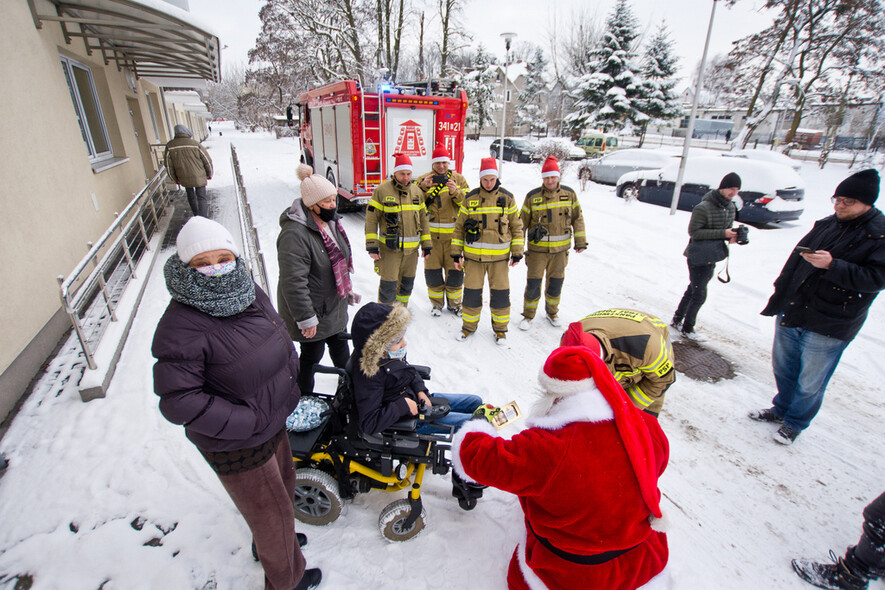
column 92, row 292
column 252, row 254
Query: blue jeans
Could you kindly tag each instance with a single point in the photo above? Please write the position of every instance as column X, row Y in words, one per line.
column 462, row 406
column 803, row 363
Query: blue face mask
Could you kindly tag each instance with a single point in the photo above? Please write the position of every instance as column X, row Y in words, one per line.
column 397, row 354
column 217, row 270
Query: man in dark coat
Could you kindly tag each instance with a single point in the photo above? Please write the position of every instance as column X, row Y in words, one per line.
column 709, row 228
column 821, row 300
column 188, row 164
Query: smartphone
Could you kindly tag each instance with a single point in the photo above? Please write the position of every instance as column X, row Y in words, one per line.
column 805, row 249
column 440, row 179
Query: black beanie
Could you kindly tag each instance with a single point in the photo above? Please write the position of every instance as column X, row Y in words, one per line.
column 863, row 186
column 730, row 180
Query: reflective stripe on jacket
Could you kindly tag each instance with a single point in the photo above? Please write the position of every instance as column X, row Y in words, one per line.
column 560, row 213
column 501, row 234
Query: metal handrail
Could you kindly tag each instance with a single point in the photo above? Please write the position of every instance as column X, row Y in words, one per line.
column 252, row 254
column 89, row 295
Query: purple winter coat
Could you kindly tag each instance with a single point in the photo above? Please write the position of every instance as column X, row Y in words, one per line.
column 231, row 381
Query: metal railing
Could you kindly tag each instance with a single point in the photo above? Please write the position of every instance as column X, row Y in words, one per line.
column 89, row 294
column 252, row 254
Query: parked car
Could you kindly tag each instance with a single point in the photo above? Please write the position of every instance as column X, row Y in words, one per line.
column 770, row 193
column 766, row 156
column 608, row 169
column 515, row 150
column 596, row 144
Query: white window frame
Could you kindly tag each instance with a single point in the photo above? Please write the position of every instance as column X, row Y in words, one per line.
column 77, row 94
column 508, row 96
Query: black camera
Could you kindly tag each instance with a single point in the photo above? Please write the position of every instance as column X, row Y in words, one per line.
column 471, row 231
column 537, row 233
column 743, row 235
column 440, row 179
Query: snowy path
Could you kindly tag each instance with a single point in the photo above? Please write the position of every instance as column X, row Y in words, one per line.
column 741, row 506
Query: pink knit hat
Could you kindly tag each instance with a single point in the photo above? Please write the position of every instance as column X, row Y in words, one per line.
column 314, row 188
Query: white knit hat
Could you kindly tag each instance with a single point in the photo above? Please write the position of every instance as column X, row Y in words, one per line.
column 314, row 188
column 201, row 234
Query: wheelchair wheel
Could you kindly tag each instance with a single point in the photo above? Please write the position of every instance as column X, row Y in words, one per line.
column 392, row 518
column 317, row 500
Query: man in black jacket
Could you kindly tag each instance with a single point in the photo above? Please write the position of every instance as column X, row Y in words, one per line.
column 821, row 300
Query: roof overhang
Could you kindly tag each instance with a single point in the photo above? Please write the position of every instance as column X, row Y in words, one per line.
column 152, row 40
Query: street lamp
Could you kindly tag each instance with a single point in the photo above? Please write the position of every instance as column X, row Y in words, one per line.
column 694, row 110
column 508, row 37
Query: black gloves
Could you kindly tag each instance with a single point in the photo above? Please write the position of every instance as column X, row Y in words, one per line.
column 515, row 259
column 373, row 250
column 426, row 251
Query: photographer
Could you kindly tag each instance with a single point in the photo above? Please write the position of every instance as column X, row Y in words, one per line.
column 396, row 226
column 551, row 216
column 710, row 230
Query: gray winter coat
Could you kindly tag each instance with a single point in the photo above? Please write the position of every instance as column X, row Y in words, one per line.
column 709, row 220
column 306, row 295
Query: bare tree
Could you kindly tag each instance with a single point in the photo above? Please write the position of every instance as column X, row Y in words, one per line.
column 452, row 33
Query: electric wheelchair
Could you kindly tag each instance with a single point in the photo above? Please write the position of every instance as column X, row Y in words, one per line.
column 335, row 462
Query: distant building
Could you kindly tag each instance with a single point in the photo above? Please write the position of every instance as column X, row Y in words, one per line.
column 93, row 89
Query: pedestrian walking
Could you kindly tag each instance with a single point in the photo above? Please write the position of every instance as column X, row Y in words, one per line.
column 188, row 164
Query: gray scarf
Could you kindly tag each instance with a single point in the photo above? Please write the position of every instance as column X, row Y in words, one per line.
column 220, row 297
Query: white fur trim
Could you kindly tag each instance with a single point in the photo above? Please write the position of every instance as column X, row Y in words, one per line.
column 550, row 173
column 560, row 388
column 659, row 582
column 489, row 172
column 588, row 405
column 482, row 426
column 402, row 167
column 662, row 524
column 440, row 159
column 531, row 578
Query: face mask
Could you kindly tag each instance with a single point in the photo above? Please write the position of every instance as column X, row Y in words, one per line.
column 327, row 215
column 397, row 354
column 217, row 270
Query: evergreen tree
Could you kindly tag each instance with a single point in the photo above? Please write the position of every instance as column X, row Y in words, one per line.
column 656, row 97
column 605, row 96
column 528, row 106
column 479, row 85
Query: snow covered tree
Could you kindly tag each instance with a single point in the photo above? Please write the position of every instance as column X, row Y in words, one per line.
column 479, row 84
column 656, row 97
column 605, row 96
column 528, row 103
column 451, row 35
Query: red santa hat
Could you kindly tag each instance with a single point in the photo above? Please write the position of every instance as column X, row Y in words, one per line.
column 573, row 369
column 401, row 162
column 550, row 167
column 440, row 154
column 488, row 166
column 576, row 336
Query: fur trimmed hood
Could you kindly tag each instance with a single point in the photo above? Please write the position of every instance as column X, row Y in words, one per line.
column 375, row 328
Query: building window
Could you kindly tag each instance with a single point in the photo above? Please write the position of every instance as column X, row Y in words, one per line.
column 508, row 96
column 87, row 109
column 153, row 116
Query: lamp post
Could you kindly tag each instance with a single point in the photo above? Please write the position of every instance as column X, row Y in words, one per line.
column 694, row 109
column 508, row 37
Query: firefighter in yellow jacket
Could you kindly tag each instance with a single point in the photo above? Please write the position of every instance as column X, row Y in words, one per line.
column 635, row 346
column 551, row 216
column 488, row 235
column 396, row 227
column 444, row 190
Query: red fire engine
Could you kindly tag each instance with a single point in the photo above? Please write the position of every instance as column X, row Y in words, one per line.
column 349, row 135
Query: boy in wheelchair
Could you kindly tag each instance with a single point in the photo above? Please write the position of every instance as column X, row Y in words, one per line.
column 387, row 388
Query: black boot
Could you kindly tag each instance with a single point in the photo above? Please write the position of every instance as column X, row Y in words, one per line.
column 834, row 576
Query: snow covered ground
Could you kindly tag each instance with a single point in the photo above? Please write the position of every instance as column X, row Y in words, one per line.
column 84, row 478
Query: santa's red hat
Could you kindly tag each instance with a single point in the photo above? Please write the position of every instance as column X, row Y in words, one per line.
column 401, row 162
column 440, row 154
column 573, row 369
column 550, row 167
column 488, row 166
column 576, row 336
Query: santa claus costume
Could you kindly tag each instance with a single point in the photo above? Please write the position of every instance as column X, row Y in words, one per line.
column 586, row 473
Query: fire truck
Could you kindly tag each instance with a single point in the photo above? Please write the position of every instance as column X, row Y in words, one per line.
column 349, row 134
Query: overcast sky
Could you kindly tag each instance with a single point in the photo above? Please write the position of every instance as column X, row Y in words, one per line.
column 237, row 25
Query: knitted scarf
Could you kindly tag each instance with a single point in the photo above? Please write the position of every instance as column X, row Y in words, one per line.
column 220, row 297
column 341, row 267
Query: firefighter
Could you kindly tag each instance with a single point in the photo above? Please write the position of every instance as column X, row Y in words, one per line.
column 488, row 234
column 551, row 216
column 635, row 346
column 443, row 199
column 396, row 226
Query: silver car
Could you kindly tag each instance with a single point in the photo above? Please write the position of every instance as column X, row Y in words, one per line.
column 608, row 169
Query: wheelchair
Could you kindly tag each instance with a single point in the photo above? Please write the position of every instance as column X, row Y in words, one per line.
column 336, row 461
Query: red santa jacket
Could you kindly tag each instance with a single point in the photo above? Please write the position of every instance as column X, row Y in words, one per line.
column 577, row 490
